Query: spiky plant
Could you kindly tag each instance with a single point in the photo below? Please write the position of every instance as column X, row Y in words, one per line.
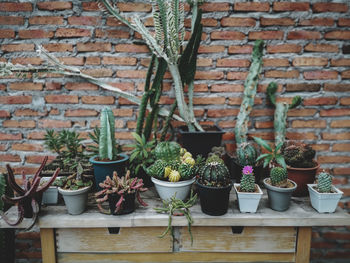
column 106, row 143
column 157, row 169
column 324, row 182
column 299, row 155
column 167, row 151
column 278, row 177
column 248, row 180
column 214, row 174
column 246, row 154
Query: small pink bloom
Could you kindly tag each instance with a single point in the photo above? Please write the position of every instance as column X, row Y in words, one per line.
column 247, row 169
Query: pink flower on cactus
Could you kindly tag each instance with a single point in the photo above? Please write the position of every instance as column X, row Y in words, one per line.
column 247, row 169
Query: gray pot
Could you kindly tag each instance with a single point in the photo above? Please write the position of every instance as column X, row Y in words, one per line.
column 279, row 198
column 75, row 200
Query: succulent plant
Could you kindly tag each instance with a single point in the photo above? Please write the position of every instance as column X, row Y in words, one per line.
column 107, row 144
column 217, row 150
column 214, row 158
column 278, row 177
column 214, row 174
column 186, row 171
column 324, row 182
column 246, row 154
column 298, row 155
column 174, row 176
column 157, row 169
column 167, row 151
column 248, row 180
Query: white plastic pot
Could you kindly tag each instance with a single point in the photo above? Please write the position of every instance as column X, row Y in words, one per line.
column 75, row 200
column 324, row 202
column 168, row 189
column 50, row 195
column 248, row 202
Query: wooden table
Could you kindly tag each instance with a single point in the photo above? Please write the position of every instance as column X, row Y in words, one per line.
column 267, row 236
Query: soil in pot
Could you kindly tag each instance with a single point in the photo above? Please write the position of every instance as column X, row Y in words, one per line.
column 128, row 205
column 214, row 200
column 302, row 177
column 200, row 142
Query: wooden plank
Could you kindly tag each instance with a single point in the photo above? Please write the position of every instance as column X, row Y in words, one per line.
column 174, row 257
column 252, row 239
column 303, row 245
column 47, row 238
column 136, row 239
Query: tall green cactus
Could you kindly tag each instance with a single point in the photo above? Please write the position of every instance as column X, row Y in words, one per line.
column 107, row 144
column 281, row 111
column 250, row 86
column 324, row 182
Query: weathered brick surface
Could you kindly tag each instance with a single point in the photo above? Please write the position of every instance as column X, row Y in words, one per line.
column 307, row 53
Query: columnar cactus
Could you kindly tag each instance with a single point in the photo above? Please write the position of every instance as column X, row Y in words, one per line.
column 246, row 154
column 278, row 176
column 167, row 151
column 107, row 144
column 324, row 183
column 248, row 180
column 214, row 174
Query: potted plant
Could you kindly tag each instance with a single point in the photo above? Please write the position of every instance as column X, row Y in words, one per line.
column 120, row 192
column 301, row 165
column 214, row 186
column 75, row 189
column 279, row 189
column 50, row 195
column 108, row 159
column 173, row 171
column 323, row 195
column 248, row 192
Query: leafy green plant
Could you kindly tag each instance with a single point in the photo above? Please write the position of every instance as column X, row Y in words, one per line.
column 272, row 156
column 75, row 181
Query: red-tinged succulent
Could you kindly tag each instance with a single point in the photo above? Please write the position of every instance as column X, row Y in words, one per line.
column 120, row 186
column 26, row 195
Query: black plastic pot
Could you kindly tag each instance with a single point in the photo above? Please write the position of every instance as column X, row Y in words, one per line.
column 200, row 142
column 214, row 200
column 128, row 205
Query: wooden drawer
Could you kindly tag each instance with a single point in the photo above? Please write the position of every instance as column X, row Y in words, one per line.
column 251, row 239
column 100, row 240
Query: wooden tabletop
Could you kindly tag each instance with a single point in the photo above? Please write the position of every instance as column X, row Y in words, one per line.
column 300, row 213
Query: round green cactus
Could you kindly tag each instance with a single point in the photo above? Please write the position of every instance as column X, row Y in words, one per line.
column 246, row 154
column 278, row 176
column 324, row 183
column 214, row 174
column 214, row 158
column 248, row 180
column 186, row 171
column 157, row 169
column 167, row 151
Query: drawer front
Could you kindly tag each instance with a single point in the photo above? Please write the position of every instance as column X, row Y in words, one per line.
column 251, row 239
column 100, row 240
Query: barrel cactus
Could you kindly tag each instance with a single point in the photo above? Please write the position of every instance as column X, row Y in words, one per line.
column 186, row 171
column 107, row 144
column 248, row 180
column 214, row 158
column 214, row 174
column 298, row 155
column 174, row 176
column 167, row 151
column 246, row 154
column 324, row 182
column 278, row 176
column 157, row 169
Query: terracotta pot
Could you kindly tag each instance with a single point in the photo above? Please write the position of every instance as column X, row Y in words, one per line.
column 302, row 176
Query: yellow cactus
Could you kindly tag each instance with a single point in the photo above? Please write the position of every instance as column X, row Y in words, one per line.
column 190, row 161
column 174, row 176
column 167, row 171
column 187, row 155
column 182, row 151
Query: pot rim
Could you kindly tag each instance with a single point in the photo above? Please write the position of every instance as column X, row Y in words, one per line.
column 310, row 186
column 215, row 188
column 304, row 169
column 247, row 193
column 218, row 131
column 279, row 189
column 124, row 155
column 73, row 192
column 173, row 184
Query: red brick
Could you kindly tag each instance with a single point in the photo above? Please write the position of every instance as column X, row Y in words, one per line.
column 341, row 147
column 53, row 86
column 11, row 20
column 275, row 62
column 341, row 171
column 265, row 35
column 7, row 33
column 76, row 61
column 227, row 88
column 15, row 99
column 9, row 158
column 344, row 21
column 340, row 124
column 54, row 5
column 288, row 6
column 236, row 63
column 61, row 99
column 98, row 72
column 112, row 21
column 26, row 86
column 211, row 49
column 303, row 34
column 247, row 49
column 97, row 47
column 123, row 112
column 252, row 6
column 334, row 112
column 291, row 74
column 84, row 20
column 215, row 7
column 35, row 33
column 58, row 47
column 284, row 48
column 36, row 135
column 301, row 136
column 18, row 124
column 80, row 113
column 321, row 75
column 3, row 147
column 204, row 62
column 218, row 113
column 265, row 21
column 336, row 136
column 320, row 147
column 133, row 74
column 131, row 48
column 236, row 75
column 90, row 6
column 323, row 21
column 37, row 158
column 227, row 35
column 27, row 147
column 208, row 100
column 345, row 101
column 320, row 101
column 10, row 136
column 345, row 74
column 4, row 114
column 30, row 60
column 263, row 124
column 100, row 33
column 93, row 61
column 209, row 75
column 343, row 35
column 29, row 112
column 73, row 32
column 321, row 48
column 309, row 124
column 342, row 62
column 237, row 21
column 125, row 86
column 16, row 7
column 46, row 20
column 238, row 101
column 134, row 7
column 98, row 99
column 329, row 7
column 54, row 124
column 80, row 86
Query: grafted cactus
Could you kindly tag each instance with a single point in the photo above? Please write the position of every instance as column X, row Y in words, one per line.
column 246, row 154
column 107, row 144
column 248, row 180
column 281, row 111
column 324, row 182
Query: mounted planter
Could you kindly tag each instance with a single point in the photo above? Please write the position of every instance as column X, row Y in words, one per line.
column 200, row 142
column 128, row 204
column 167, row 189
column 302, row 177
column 106, row 168
column 75, row 200
column 324, row 202
column 248, row 202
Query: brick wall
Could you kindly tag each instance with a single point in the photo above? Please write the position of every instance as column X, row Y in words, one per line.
column 307, row 53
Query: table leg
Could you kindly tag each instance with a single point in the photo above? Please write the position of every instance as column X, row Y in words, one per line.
column 303, row 245
column 47, row 238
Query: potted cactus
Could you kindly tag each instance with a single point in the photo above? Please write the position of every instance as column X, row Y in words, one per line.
column 248, row 193
column 214, row 186
column 279, row 189
column 120, row 192
column 323, row 195
column 108, row 159
column 173, row 171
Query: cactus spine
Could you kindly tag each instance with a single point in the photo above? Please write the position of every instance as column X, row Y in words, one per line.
column 214, row 174
column 246, row 154
column 278, row 177
column 107, row 144
column 324, row 183
column 248, row 180
column 167, row 151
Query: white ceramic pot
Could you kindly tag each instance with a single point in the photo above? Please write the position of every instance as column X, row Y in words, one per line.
column 75, row 200
column 168, row 189
column 248, row 202
column 324, row 202
column 50, row 196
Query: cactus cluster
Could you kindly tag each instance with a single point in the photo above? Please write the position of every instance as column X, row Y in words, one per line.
column 214, row 158
column 167, row 151
column 278, row 177
column 298, row 155
column 248, row 180
column 324, row 183
column 246, row 154
column 107, row 144
column 214, row 174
